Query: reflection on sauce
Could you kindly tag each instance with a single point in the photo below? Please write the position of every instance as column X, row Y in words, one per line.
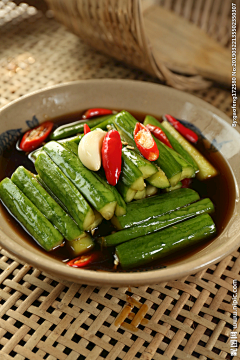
column 220, row 189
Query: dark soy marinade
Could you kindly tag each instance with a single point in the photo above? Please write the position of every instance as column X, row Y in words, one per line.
column 220, row 189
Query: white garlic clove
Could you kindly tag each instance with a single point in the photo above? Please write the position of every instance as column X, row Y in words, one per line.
column 89, row 149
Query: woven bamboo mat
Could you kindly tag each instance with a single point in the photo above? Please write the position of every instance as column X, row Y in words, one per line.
column 46, row 318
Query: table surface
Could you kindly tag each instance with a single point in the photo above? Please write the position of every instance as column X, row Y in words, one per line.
column 42, row 317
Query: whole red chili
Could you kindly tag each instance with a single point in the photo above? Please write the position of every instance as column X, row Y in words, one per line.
column 145, row 142
column 86, row 129
column 33, row 138
column 112, row 156
column 90, row 113
column 159, row 134
column 187, row 133
column 83, row 260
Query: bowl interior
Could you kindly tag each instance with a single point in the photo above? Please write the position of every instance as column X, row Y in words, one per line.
column 140, row 97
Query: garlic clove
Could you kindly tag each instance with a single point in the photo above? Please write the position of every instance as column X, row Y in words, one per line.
column 89, row 149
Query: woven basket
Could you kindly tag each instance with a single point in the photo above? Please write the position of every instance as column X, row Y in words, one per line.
column 135, row 32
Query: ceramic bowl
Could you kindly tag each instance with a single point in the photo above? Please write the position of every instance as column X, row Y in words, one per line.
column 55, row 101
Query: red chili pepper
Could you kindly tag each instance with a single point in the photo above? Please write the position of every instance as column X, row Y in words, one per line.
column 90, row 113
column 112, row 156
column 186, row 183
column 159, row 134
column 86, row 129
column 33, row 138
column 187, row 133
column 145, row 142
column 84, row 260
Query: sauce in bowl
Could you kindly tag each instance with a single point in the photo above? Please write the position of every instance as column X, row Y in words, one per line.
column 220, row 189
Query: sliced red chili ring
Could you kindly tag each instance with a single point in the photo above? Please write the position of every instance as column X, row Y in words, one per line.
column 90, row 113
column 145, row 142
column 84, row 260
column 159, row 134
column 33, row 138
